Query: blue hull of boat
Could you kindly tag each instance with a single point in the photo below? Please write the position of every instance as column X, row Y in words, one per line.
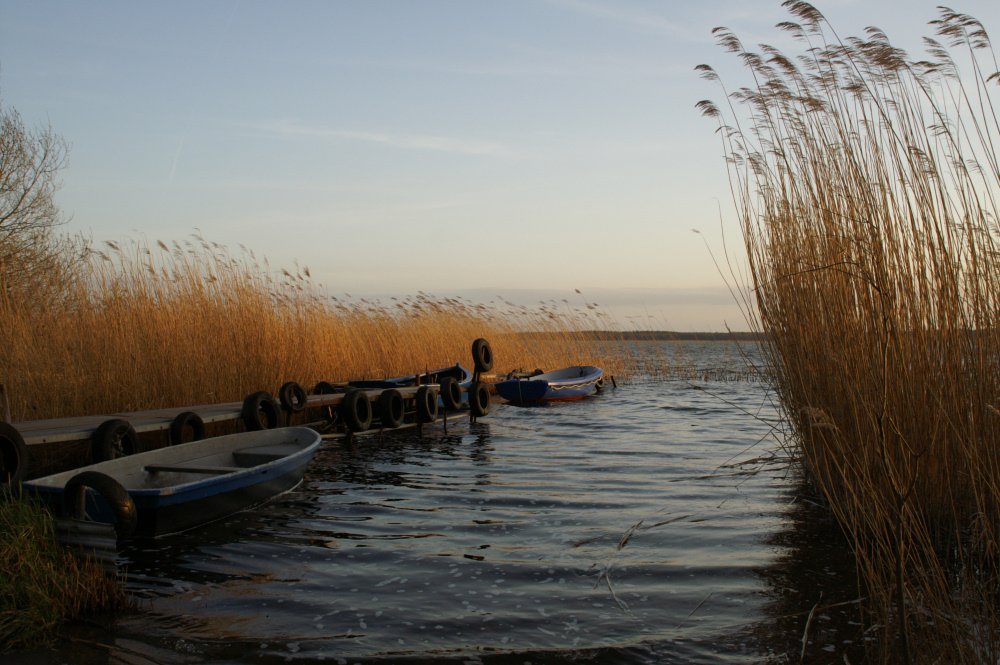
column 461, row 374
column 203, row 499
column 565, row 384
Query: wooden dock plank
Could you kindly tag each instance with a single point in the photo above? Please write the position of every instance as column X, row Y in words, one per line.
column 80, row 428
column 59, row 430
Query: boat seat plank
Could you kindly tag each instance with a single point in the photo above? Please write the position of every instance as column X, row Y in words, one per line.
column 262, row 455
column 180, row 468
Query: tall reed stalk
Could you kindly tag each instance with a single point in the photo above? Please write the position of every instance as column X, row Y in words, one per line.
column 139, row 327
column 866, row 184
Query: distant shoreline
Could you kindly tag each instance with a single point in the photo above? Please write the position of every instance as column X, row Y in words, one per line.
column 667, row 335
column 658, row 335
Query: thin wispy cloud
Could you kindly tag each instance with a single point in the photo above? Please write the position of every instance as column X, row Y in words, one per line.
column 199, row 101
column 636, row 19
column 404, row 141
column 504, row 69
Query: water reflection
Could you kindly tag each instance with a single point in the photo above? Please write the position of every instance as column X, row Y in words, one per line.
column 812, row 582
column 606, row 530
column 375, row 460
column 184, row 561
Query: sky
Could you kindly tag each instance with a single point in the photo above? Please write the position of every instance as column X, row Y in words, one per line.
column 474, row 148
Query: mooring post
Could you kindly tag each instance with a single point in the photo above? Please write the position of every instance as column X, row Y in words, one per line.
column 476, row 374
column 6, row 402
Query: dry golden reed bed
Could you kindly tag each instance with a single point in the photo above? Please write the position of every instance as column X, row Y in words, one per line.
column 137, row 327
column 866, row 183
column 134, row 327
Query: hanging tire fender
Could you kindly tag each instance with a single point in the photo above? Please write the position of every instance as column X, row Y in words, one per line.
column 181, row 422
column 426, row 404
column 113, row 439
column 482, row 355
column 261, row 411
column 451, row 393
column 391, row 409
column 75, row 496
column 324, row 388
column 13, row 455
column 292, row 397
column 356, row 410
column 479, row 398
column 326, row 411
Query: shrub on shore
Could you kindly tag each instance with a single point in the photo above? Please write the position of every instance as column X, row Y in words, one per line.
column 866, row 185
column 41, row 583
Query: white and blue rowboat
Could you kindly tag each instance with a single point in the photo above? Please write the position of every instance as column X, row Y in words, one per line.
column 180, row 487
column 562, row 384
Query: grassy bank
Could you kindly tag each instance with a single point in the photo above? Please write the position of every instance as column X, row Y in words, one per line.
column 41, row 584
column 866, row 183
column 136, row 327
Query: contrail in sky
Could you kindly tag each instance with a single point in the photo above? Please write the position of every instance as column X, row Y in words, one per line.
column 201, row 97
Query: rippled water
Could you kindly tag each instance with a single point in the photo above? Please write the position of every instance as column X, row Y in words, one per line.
column 644, row 524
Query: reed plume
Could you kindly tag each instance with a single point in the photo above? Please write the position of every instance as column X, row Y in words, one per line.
column 137, row 326
column 866, row 187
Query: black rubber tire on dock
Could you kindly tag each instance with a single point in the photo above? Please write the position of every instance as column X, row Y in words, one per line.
column 451, row 394
column 13, row 455
column 113, row 439
column 479, row 399
column 292, row 397
column 324, row 388
column 427, row 404
column 327, row 412
column 75, row 495
column 181, row 422
column 482, row 355
column 261, row 411
column 391, row 409
column 356, row 410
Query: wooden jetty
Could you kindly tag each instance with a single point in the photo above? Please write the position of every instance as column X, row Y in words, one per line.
column 336, row 410
column 59, row 430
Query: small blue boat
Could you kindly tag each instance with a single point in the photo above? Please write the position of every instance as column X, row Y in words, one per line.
column 180, row 487
column 457, row 372
column 562, row 384
column 460, row 375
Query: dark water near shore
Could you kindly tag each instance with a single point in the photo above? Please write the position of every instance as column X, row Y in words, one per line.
column 654, row 523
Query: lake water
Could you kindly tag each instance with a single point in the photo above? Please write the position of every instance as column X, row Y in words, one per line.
column 658, row 522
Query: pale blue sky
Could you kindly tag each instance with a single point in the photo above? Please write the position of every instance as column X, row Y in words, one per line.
column 522, row 149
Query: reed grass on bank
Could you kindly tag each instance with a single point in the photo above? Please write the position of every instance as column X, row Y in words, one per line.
column 135, row 327
column 866, row 184
column 139, row 327
column 41, row 583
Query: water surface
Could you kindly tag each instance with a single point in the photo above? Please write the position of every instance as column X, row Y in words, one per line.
column 651, row 523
